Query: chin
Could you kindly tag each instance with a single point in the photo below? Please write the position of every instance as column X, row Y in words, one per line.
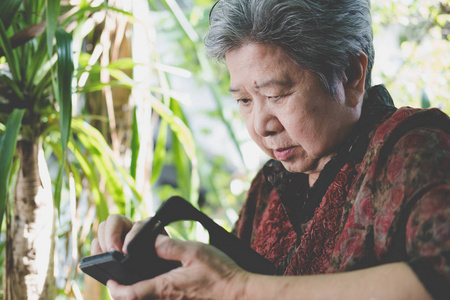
column 293, row 168
column 299, row 167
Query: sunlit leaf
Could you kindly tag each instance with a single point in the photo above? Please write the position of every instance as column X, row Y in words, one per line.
column 104, row 163
column 122, row 77
column 97, row 86
column 92, row 177
column 7, row 150
column 183, row 21
column 135, row 144
column 91, row 9
column 123, row 63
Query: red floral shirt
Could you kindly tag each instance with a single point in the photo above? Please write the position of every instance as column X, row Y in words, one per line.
column 392, row 204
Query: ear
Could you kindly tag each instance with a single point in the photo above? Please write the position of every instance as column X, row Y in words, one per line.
column 355, row 79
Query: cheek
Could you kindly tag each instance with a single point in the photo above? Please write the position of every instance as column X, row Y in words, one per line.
column 257, row 138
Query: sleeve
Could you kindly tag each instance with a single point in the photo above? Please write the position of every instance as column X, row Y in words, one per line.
column 419, row 172
column 428, row 240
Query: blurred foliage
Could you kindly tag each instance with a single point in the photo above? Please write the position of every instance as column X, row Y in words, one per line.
column 412, row 55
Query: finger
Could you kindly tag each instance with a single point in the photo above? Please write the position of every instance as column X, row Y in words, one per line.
column 101, row 236
column 172, row 249
column 142, row 290
column 131, row 234
column 95, row 247
column 115, row 229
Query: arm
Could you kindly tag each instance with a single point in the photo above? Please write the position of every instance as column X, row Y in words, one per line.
column 391, row 281
column 208, row 274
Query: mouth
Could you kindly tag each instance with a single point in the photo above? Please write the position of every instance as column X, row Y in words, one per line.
column 283, row 153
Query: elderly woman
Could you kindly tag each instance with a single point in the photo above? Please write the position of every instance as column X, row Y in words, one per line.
column 355, row 202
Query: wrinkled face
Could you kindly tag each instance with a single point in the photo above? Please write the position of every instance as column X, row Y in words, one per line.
column 286, row 110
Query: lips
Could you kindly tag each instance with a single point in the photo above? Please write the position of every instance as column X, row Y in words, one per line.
column 283, row 153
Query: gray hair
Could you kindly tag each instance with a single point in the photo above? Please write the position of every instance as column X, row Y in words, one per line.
column 320, row 35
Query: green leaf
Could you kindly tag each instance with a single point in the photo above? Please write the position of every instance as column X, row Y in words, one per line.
column 425, row 101
column 102, row 159
column 160, row 152
column 10, row 55
column 135, row 144
column 8, row 9
column 190, row 170
column 39, row 58
column 33, row 6
column 52, row 22
column 177, row 125
column 184, row 136
column 96, row 86
column 6, row 81
column 182, row 167
column 65, row 76
column 123, row 63
column 90, row 10
column 64, row 98
column 7, row 150
column 183, row 21
column 92, row 177
column 122, row 77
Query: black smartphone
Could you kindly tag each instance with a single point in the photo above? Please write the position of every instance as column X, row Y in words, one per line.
column 139, row 264
column 142, row 263
column 109, row 265
column 116, row 265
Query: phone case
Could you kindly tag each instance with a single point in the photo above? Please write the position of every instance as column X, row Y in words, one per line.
column 142, row 263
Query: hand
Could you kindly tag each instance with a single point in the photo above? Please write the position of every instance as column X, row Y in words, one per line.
column 207, row 273
column 114, row 234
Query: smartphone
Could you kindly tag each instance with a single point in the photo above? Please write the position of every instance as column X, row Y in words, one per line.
column 142, row 263
column 139, row 264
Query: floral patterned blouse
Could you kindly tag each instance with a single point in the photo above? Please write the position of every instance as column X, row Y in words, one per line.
column 384, row 197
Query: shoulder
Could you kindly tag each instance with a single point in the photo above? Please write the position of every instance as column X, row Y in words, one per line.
column 405, row 131
column 408, row 157
column 406, row 119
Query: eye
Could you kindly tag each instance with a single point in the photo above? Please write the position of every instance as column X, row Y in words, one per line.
column 278, row 97
column 243, row 101
column 274, row 98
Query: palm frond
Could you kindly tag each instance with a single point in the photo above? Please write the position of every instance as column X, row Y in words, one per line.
column 10, row 55
column 64, row 97
column 8, row 10
column 7, row 150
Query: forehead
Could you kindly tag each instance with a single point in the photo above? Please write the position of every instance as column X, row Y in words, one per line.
column 260, row 66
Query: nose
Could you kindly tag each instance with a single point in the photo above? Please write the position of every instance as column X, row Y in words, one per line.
column 266, row 123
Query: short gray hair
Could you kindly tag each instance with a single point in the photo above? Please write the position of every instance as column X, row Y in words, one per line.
column 320, row 35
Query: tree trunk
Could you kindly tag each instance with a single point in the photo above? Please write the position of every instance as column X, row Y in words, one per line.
column 30, row 235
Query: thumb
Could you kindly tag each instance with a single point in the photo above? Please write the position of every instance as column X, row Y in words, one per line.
column 172, row 249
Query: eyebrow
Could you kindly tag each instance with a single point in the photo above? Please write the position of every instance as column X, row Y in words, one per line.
column 285, row 82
